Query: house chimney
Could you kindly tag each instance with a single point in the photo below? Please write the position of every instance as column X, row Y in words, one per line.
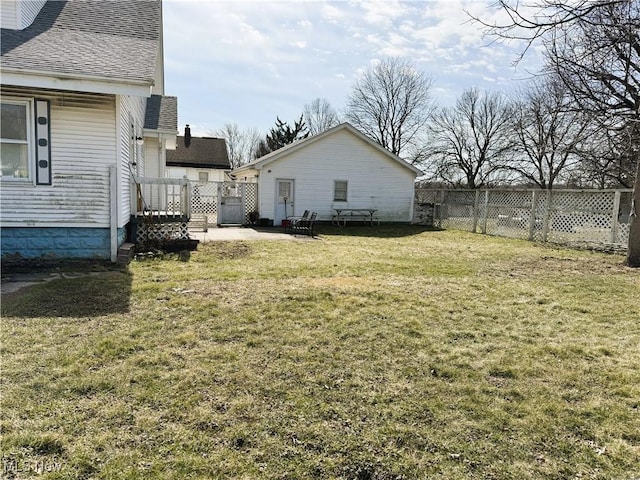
column 187, row 136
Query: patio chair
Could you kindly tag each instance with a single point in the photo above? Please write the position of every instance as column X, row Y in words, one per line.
column 304, row 227
column 293, row 220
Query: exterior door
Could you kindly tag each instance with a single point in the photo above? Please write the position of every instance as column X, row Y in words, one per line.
column 284, row 200
column 231, row 211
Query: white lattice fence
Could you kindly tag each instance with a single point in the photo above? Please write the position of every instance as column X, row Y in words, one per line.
column 598, row 217
column 250, row 193
column 204, row 200
column 505, row 213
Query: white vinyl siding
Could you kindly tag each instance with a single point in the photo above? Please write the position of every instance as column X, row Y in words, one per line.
column 82, row 149
column 214, row 175
column 29, row 10
column 131, row 121
column 374, row 179
column 9, row 14
column 19, row 14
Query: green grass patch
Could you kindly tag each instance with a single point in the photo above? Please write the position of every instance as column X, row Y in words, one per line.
column 384, row 353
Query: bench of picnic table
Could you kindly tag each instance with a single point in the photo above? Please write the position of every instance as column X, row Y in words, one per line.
column 344, row 215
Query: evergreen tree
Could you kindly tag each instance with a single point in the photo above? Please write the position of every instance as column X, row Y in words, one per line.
column 282, row 134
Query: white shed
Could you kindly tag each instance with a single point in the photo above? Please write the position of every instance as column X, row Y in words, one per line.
column 340, row 168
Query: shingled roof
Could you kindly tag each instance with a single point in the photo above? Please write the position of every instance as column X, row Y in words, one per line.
column 205, row 152
column 161, row 113
column 115, row 40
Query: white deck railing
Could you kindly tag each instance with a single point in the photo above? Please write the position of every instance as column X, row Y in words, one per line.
column 164, row 197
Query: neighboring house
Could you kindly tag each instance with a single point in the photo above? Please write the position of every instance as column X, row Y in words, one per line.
column 339, row 168
column 83, row 111
column 199, row 159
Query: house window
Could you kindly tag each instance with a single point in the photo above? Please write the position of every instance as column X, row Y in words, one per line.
column 15, row 139
column 203, row 176
column 340, row 191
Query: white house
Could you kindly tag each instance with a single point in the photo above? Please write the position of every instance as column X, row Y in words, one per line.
column 83, row 111
column 340, row 168
column 200, row 159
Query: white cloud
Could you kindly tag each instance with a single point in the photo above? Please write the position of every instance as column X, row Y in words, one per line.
column 248, row 61
column 332, row 14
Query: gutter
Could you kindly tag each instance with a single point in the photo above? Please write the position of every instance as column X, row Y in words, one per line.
column 76, row 82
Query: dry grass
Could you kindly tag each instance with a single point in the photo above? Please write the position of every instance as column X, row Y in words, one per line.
column 408, row 354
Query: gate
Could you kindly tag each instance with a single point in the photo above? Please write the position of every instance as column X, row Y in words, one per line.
column 231, row 211
column 224, row 202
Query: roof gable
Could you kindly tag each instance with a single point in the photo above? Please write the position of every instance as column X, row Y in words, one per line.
column 117, row 40
column 202, row 152
column 286, row 150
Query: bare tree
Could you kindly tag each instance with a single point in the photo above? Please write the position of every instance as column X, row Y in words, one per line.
column 549, row 132
column 390, row 103
column 470, row 143
column 607, row 159
column 241, row 144
column 594, row 46
column 319, row 116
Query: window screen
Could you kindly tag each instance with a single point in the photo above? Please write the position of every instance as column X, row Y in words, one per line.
column 340, row 191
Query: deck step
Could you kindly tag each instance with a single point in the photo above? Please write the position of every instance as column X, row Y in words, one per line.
column 198, row 222
column 125, row 253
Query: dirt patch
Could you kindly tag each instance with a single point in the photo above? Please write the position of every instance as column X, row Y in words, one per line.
column 227, row 250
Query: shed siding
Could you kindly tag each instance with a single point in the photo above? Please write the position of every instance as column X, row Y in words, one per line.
column 374, row 180
column 82, row 149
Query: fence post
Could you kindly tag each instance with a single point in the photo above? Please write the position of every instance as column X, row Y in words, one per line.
column 486, row 211
column 441, row 212
column 187, row 199
column 476, row 205
column 243, row 197
column 547, row 214
column 532, row 215
column 614, row 216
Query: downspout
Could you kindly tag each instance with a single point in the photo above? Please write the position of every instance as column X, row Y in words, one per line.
column 115, row 173
column 113, row 213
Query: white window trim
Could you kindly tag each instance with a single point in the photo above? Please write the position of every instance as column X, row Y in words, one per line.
column 31, row 177
column 346, row 191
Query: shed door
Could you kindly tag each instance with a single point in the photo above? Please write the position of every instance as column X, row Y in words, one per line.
column 284, row 200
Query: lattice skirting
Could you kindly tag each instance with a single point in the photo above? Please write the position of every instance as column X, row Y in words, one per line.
column 151, row 232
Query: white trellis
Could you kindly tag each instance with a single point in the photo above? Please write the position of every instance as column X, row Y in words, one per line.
column 207, row 198
column 590, row 217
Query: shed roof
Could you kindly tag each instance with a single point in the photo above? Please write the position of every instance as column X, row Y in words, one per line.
column 116, row 40
column 162, row 113
column 203, row 152
column 281, row 152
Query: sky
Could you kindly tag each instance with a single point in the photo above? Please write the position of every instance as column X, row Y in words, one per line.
column 246, row 62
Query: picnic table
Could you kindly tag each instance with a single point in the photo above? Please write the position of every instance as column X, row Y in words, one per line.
column 344, row 215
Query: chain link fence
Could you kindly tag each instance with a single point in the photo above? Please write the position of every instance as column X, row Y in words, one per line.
column 592, row 218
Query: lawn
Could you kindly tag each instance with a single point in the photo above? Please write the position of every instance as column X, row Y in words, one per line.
column 384, row 353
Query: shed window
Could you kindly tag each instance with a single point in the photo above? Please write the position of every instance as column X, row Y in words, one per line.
column 15, row 137
column 340, row 191
column 203, row 176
